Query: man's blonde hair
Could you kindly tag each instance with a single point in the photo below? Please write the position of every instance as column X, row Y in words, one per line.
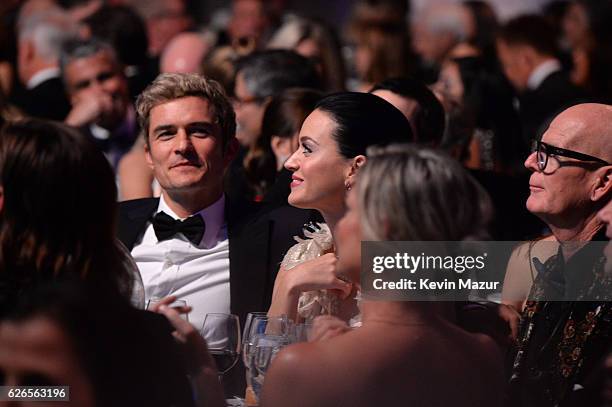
column 170, row 86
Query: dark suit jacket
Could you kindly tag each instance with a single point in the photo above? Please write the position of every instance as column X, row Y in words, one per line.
column 48, row 100
column 539, row 106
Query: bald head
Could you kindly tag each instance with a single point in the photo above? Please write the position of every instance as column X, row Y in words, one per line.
column 184, row 54
column 585, row 128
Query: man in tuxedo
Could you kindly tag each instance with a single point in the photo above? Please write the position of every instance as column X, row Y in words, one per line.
column 192, row 242
column 41, row 35
column 98, row 91
column 526, row 48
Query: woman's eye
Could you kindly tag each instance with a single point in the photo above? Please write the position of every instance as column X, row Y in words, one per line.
column 306, row 149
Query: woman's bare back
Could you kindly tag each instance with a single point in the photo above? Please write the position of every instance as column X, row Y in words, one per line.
column 385, row 365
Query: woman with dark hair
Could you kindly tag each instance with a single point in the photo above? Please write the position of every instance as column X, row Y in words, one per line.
column 382, row 43
column 57, row 211
column 57, row 225
column 420, row 106
column 281, row 123
column 588, row 33
column 333, row 142
column 483, row 129
column 72, row 334
column 317, row 41
column 405, row 352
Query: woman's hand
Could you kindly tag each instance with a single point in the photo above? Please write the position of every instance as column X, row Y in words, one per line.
column 326, row 327
column 316, row 274
column 200, row 363
column 167, row 301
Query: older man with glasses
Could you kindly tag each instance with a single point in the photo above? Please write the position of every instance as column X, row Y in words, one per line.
column 566, row 321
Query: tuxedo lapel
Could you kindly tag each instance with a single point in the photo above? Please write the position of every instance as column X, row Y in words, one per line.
column 133, row 218
column 248, row 255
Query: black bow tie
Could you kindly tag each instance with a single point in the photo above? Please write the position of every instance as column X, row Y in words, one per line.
column 166, row 227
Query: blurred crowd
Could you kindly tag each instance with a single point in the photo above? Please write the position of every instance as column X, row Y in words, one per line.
column 151, row 152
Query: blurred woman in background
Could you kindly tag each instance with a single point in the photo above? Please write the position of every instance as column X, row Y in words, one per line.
column 264, row 162
column 382, row 44
column 317, row 41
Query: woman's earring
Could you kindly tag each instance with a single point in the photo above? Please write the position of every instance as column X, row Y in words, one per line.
column 347, row 186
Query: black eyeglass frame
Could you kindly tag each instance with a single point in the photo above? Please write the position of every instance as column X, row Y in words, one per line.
column 561, row 152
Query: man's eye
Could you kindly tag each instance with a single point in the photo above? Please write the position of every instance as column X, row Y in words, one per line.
column 165, row 135
column 105, row 76
column 201, row 132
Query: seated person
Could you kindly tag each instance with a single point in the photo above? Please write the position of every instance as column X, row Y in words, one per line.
column 72, row 334
column 408, row 353
column 333, row 142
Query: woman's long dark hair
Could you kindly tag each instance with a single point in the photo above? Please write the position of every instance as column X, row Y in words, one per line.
column 283, row 117
column 58, row 209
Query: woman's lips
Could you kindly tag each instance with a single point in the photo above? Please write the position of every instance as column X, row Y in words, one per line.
column 295, row 181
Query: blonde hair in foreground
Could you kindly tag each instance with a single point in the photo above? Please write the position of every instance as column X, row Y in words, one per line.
column 418, row 194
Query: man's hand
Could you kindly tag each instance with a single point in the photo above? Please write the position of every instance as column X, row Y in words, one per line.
column 89, row 107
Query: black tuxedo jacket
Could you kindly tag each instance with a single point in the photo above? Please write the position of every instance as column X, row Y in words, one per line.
column 539, row 106
column 258, row 240
column 48, row 100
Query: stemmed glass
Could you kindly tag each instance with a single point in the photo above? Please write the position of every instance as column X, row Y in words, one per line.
column 178, row 304
column 222, row 333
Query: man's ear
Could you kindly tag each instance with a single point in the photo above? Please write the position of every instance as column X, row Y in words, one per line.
column 356, row 164
column 231, row 150
column 28, row 50
column 603, row 183
column 147, row 150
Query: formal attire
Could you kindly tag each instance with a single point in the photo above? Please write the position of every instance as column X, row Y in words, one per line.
column 549, row 91
column 114, row 144
column 562, row 337
column 233, row 267
column 44, row 96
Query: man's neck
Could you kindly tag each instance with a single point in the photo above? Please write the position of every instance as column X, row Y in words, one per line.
column 185, row 204
column 580, row 231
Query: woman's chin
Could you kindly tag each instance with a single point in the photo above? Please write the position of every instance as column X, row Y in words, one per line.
column 294, row 200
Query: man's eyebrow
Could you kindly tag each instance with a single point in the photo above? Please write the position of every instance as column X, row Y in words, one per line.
column 163, row 127
column 200, row 124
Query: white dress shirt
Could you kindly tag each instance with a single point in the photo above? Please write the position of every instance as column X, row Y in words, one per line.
column 197, row 274
column 41, row 76
column 541, row 72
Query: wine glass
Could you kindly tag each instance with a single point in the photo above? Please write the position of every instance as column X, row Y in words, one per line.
column 246, row 334
column 265, row 349
column 274, row 328
column 178, row 304
column 222, row 333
